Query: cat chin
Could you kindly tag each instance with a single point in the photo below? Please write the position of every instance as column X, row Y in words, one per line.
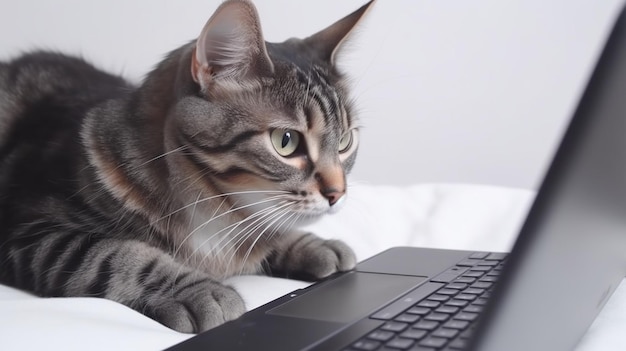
column 313, row 215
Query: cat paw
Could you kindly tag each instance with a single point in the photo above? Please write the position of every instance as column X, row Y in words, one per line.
column 197, row 307
column 328, row 257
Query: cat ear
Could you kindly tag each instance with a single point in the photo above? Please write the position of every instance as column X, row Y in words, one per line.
column 231, row 45
column 328, row 41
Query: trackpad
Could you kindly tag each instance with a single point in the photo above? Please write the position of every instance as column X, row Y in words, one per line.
column 348, row 298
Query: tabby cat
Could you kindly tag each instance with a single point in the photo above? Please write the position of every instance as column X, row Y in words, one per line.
column 152, row 195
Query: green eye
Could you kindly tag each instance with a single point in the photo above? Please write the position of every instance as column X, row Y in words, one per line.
column 285, row 141
column 345, row 142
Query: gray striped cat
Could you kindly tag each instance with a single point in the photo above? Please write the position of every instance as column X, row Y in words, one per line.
column 152, row 195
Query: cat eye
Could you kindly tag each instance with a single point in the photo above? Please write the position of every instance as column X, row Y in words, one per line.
column 285, row 141
column 346, row 141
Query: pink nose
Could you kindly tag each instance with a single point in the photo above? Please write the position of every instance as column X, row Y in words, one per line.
column 333, row 195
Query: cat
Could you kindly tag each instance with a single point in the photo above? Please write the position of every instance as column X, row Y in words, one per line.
column 151, row 195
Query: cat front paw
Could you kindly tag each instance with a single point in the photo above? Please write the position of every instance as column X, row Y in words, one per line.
column 330, row 257
column 196, row 307
column 309, row 257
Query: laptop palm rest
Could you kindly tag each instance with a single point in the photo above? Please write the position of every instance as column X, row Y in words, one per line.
column 376, row 281
column 349, row 297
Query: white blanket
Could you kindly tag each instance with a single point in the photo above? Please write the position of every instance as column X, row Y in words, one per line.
column 468, row 217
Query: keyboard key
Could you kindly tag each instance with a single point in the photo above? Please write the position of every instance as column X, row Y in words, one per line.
column 480, row 269
column 456, row 324
column 433, row 342
column 473, row 309
column 468, row 263
column 479, row 255
column 394, row 326
column 496, row 256
column 381, row 335
column 447, row 291
column 466, row 316
column 415, row 334
column 447, row 309
column 488, row 279
column 488, row 263
column 481, row 301
column 438, row 297
column 473, row 274
column 420, row 310
column 474, row 291
column 400, row 343
column 457, row 303
column 456, row 285
column 466, row 280
column 439, row 317
column 429, row 304
column 482, row 285
column 466, row 297
column 426, row 325
column 445, row 333
column 366, row 345
column 407, row 318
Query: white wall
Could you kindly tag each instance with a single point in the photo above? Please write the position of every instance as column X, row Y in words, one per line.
column 474, row 91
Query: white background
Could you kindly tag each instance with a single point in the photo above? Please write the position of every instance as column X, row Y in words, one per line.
column 470, row 91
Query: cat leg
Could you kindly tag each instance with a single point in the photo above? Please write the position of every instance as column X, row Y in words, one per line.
column 152, row 282
column 303, row 255
column 135, row 274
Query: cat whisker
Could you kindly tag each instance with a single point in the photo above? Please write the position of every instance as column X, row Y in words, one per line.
column 219, row 207
column 261, row 218
column 248, row 192
column 242, row 235
column 270, row 199
column 234, row 226
column 189, row 183
column 280, row 211
column 288, row 225
column 308, row 87
column 180, row 148
column 193, row 211
column 249, row 251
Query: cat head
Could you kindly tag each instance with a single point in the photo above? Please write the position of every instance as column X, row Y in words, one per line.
column 270, row 118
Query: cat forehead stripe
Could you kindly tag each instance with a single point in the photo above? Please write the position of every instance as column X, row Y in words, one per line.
column 323, row 94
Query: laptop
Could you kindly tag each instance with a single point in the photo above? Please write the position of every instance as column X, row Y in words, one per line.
column 568, row 259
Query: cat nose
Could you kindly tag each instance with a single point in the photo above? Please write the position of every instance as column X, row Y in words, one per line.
column 331, row 182
column 333, row 195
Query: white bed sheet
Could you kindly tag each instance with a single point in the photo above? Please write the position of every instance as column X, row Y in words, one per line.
column 452, row 216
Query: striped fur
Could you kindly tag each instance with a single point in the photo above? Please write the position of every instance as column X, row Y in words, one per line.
column 150, row 195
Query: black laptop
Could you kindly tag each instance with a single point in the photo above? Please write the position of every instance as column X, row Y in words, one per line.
column 568, row 259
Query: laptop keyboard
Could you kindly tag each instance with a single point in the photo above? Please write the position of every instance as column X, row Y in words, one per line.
column 444, row 316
